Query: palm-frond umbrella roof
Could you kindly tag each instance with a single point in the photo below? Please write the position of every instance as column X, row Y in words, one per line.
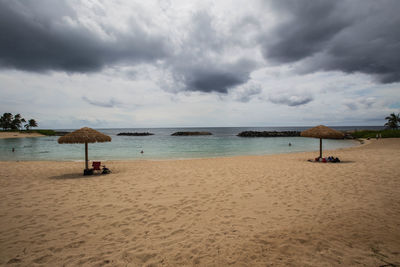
column 84, row 135
column 322, row 131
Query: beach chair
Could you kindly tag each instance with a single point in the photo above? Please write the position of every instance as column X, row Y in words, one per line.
column 96, row 165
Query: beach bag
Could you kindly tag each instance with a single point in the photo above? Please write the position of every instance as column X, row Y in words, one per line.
column 87, row 171
column 105, row 170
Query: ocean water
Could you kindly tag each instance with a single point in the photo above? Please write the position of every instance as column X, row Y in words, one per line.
column 162, row 145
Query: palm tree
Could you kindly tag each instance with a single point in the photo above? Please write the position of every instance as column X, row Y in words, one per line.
column 17, row 121
column 22, row 121
column 6, row 121
column 393, row 121
column 31, row 123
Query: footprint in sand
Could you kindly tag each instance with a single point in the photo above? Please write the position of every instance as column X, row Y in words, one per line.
column 43, row 259
column 125, row 210
column 75, row 244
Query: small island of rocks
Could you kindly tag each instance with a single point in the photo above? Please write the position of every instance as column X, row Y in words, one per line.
column 190, row 133
column 135, row 134
column 269, row 134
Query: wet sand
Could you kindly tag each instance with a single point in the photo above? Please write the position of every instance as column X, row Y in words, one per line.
column 274, row 210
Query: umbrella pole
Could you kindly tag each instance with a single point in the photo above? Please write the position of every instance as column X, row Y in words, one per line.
column 320, row 147
column 86, row 156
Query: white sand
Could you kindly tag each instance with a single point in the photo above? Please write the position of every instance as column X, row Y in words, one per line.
column 244, row 211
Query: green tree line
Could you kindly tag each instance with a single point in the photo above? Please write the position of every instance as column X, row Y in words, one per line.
column 15, row 122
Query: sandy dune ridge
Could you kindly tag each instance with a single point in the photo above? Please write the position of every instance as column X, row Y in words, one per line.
column 241, row 211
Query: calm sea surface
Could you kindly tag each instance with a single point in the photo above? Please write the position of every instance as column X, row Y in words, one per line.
column 162, row 145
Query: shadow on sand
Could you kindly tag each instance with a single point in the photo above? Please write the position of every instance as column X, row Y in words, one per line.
column 332, row 163
column 74, row 176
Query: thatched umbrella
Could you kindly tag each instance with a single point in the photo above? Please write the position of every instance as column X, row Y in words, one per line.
column 84, row 135
column 320, row 132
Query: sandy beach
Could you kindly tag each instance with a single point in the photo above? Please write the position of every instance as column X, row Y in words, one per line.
column 276, row 210
column 18, row 135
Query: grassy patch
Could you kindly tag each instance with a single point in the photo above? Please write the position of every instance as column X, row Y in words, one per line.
column 11, row 131
column 372, row 134
column 45, row 132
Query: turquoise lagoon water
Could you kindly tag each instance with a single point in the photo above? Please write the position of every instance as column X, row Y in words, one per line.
column 162, row 145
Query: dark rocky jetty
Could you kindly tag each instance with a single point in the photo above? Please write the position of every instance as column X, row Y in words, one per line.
column 190, row 133
column 269, row 134
column 135, row 134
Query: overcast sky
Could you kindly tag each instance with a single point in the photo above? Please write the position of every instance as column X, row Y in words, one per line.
column 163, row 63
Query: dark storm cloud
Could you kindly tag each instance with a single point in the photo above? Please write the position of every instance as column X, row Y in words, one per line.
column 201, row 64
column 307, row 28
column 350, row 36
column 35, row 36
column 47, row 35
column 211, row 81
column 215, row 77
column 291, row 101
